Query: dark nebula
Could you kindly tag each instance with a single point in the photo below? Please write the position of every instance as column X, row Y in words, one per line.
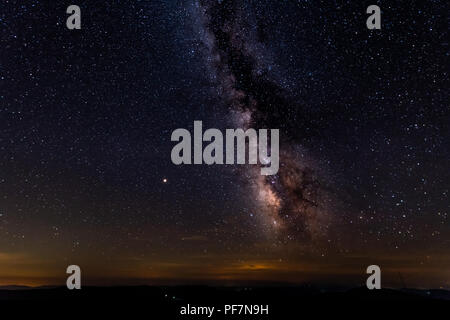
column 295, row 194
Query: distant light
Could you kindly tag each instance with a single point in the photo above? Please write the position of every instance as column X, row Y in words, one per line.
column 164, row 180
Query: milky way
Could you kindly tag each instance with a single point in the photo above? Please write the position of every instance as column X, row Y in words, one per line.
column 293, row 202
column 86, row 118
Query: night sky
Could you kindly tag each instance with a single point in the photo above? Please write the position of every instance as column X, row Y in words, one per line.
column 86, row 118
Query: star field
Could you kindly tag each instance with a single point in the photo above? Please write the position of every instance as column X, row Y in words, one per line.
column 86, row 118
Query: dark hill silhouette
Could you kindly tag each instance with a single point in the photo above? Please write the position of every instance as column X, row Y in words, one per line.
column 166, row 301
